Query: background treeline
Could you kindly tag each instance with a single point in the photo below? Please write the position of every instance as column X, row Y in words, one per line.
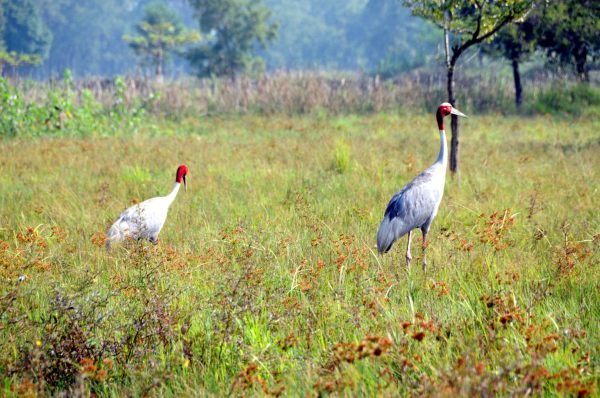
column 42, row 38
column 87, row 37
column 319, row 56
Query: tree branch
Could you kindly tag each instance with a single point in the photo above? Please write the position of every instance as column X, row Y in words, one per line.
column 479, row 17
column 476, row 39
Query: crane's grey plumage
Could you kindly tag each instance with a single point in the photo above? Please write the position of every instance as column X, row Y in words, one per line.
column 412, row 207
column 416, row 205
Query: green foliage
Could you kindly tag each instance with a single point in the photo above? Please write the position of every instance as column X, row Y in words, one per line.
column 317, row 34
column 25, row 32
column 67, row 111
column 472, row 18
column 514, row 42
column 234, row 29
column 2, row 26
column 564, row 99
column 160, row 34
column 570, row 32
column 341, row 157
column 391, row 40
column 88, row 36
column 125, row 111
column 15, row 60
column 12, row 110
column 470, row 21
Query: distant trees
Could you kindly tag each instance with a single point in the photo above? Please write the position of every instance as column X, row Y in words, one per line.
column 317, row 34
column 570, row 33
column 159, row 35
column 234, row 29
column 88, row 36
column 25, row 37
column 377, row 36
column 2, row 23
column 25, row 31
column 390, row 39
column 470, row 22
column 515, row 42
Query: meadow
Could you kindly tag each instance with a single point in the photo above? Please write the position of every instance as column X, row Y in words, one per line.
column 266, row 279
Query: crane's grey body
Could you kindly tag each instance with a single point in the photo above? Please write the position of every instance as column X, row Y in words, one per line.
column 415, row 205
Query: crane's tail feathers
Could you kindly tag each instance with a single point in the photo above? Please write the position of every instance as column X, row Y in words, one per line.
column 389, row 232
column 115, row 233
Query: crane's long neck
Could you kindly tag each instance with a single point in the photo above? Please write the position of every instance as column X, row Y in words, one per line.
column 442, row 158
column 171, row 197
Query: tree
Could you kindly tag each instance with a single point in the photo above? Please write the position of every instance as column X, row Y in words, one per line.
column 470, row 22
column 2, row 22
column 235, row 29
column 88, row 36
column 390, row 39
column 25, row 36
column 16, row 60
column 331, row 42
column 160, row 34
column 515, row 42
column 570, row 32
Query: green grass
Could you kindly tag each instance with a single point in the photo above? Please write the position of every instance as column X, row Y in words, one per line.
column 266, row 278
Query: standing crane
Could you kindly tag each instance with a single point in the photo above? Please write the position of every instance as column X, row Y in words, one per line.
column 145, row 220
column 416, row 205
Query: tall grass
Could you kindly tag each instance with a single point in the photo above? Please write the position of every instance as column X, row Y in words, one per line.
column 100, row 106
column 266, row 280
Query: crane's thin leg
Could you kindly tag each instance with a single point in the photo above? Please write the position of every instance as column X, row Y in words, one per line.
column 424, row 246
column 408, row 256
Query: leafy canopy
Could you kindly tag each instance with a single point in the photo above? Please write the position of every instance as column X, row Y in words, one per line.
column 514, row 42
column 470, row 21
column 385, row 34
column 24, row 30
column 570, row 32
column 160, row 34
column 235, row 30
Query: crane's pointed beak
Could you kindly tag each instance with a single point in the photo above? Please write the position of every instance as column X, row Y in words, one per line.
column 184, row 184
column 456, row 112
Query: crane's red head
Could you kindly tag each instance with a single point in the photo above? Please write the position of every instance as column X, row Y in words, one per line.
column 444, row 110
column 181, row 173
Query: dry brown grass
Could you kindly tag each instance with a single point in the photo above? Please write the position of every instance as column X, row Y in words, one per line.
column 300, row 93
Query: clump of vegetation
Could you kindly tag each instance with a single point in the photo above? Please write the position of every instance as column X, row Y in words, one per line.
column 341, row 157
column 82, row 108
column 567, row 99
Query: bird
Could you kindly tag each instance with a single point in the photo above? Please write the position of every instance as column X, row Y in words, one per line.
column 145, row 220
column 417, row 203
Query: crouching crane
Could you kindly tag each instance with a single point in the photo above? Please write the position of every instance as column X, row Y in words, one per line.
column 145, row 220
column 416, row 205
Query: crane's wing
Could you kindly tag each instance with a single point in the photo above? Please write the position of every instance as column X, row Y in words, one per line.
column 144, row 220
column 410, row 208
column 127, row 224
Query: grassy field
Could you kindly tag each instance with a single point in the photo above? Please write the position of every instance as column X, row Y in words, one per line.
column 266, row 279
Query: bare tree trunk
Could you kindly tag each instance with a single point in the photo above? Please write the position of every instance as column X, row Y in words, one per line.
column 446, row 38
column 581, row 65
column 450, row 62
column 158, row 71
column 454, row 124
column 518, row 86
